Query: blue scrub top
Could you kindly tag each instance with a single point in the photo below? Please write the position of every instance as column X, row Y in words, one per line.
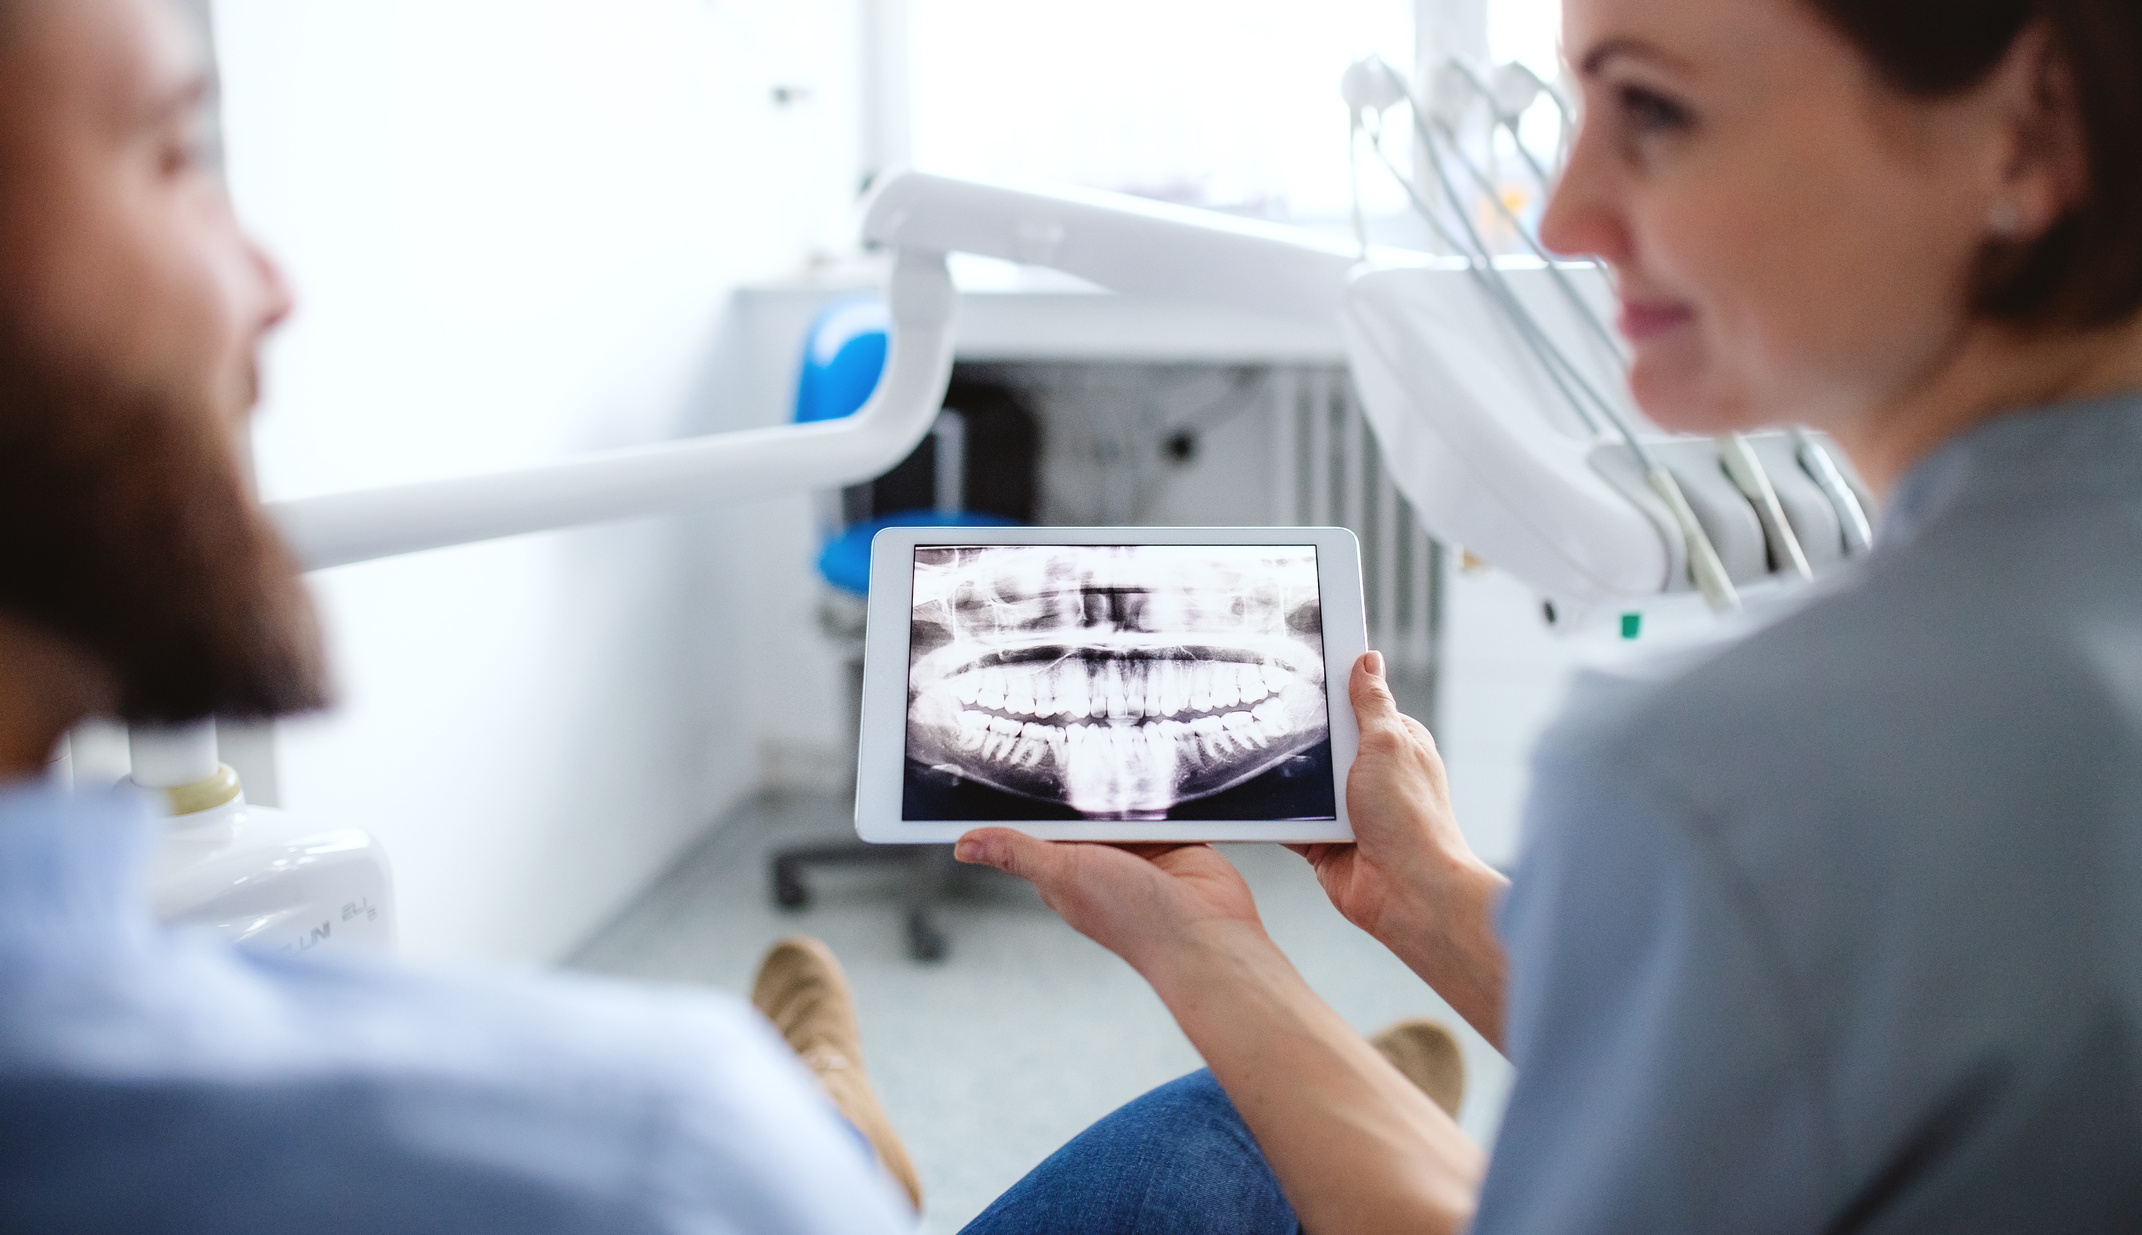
column 1838, row 927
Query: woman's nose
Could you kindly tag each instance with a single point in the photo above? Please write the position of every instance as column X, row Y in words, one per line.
column 1582, row 217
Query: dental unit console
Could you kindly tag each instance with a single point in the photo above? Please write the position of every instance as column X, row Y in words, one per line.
column 1500, row 410
column 1476, row 431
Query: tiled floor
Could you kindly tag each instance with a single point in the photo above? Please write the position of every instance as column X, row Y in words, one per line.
column 1027, row 1032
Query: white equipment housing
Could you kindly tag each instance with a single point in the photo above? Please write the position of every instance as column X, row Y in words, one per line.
column 253, row 874
column 1470, row 428
column 1471, row 434
column 267, row 879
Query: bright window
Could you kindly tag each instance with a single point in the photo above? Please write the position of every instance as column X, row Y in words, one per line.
column 1529, row 31
column 1225, row 103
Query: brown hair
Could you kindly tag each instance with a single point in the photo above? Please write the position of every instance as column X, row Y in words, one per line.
column 2086, row 270
column 130, row 533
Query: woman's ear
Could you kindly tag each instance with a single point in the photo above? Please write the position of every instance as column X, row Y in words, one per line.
column 2044, row 153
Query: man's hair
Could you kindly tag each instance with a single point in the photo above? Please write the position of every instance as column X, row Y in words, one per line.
column 2086, row 270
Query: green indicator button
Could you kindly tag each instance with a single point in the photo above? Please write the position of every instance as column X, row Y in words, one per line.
column 1632, row 625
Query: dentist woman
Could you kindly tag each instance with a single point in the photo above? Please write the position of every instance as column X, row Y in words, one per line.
column 1837, row 927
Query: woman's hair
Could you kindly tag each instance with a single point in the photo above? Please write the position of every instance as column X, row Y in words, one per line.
column 2086, row 270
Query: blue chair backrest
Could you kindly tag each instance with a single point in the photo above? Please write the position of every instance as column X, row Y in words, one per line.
column 843, row 354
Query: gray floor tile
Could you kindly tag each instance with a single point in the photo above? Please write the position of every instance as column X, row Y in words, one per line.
column 1026, row 1032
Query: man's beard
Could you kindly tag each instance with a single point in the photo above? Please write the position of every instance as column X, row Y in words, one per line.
column 127, row 528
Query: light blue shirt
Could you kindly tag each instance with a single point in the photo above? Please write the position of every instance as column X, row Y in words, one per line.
column 161, row 1081
column 1840, row 928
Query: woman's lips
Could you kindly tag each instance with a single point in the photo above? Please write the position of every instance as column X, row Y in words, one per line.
column 1639, row 322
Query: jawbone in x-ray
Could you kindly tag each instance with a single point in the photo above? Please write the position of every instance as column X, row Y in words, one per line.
column 1117, row 682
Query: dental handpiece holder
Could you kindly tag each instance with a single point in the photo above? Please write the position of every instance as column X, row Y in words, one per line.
column 1469, row 425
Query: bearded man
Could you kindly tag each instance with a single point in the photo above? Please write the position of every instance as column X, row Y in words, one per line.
column 162, row 1082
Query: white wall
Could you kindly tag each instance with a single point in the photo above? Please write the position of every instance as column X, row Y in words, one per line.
column 514, row 226
column 1505, row 672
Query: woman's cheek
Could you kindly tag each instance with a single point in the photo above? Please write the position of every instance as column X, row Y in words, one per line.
column 1667, row 385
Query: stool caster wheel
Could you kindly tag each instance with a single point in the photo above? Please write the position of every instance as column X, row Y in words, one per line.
column 788, row 889
column 924, row 941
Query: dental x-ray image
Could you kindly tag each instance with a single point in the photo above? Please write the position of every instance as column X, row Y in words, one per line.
column 1117, row 682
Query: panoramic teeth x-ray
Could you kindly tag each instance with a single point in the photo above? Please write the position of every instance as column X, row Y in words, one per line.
column 1117, row 682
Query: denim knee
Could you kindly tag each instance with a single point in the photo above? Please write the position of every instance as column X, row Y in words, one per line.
column 1176, row 1161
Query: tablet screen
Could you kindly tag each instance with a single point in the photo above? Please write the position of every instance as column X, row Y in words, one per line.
column 1117, row 682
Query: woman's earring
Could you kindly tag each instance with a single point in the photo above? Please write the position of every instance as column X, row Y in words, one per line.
column 2005, row 220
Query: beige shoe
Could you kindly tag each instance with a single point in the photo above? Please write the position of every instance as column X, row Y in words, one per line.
column 1428, row 1054
column 801, row 989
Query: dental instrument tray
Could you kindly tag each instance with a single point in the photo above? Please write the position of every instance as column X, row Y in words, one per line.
column 1114, row 684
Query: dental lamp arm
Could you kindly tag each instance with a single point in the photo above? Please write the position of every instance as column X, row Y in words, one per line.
column 1120, row 242
column 342, row 528
column 1123, row 243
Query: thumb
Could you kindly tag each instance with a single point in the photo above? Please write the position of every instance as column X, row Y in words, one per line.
column 1371, row 693
column 1010, row 851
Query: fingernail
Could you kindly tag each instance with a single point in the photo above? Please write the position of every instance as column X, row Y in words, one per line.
column 1375, row 666
column 968, row 851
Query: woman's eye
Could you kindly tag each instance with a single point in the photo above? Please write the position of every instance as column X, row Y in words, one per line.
column 182, row 146
column 1650, row 112
column 180, row 157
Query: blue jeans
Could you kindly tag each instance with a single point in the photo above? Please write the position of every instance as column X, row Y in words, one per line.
column 1178, row 1161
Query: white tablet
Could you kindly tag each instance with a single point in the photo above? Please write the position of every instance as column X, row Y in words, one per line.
column 1128, row 684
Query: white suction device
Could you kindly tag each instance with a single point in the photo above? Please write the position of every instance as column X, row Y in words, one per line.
column 253, row 874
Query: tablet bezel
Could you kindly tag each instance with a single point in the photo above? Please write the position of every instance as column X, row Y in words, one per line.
column 883, row 747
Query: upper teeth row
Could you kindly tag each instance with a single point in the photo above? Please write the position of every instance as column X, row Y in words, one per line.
column 1118, row 688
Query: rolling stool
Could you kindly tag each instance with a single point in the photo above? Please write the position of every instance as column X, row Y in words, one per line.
column 939, row 485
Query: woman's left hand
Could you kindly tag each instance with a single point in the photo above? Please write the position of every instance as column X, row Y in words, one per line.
column 1139, row 901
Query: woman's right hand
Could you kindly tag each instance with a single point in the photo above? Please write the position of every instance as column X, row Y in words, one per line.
column 1409, row 879
column 1398, row 799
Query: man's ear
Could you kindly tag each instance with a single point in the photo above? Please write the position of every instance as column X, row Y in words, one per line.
column 2045, row 167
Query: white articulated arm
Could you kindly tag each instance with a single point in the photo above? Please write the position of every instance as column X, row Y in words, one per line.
column 342, row 528
column 1123, row 243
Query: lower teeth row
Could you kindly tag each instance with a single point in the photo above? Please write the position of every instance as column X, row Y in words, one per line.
column 1205, row 740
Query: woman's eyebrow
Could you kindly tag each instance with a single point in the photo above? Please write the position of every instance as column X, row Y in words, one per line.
column 1609, row 49
column 175, row 99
